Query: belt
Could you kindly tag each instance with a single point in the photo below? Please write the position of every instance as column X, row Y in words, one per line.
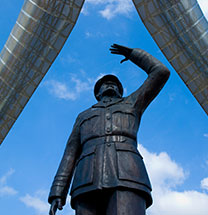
column 109, row 139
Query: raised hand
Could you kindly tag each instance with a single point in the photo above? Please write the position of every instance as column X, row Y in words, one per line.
column 56, row 203
column 121, row 50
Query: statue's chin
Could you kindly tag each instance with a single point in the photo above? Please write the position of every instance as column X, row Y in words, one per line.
column 109, row 93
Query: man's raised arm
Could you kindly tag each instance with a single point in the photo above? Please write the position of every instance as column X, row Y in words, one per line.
column 157, row 73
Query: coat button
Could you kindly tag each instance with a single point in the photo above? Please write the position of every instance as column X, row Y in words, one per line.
column 108, row 129
column 108, row 117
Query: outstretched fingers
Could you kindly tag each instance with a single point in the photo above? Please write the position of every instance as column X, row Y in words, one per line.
column 115, row 49
column 118, row 46
column 121, row 50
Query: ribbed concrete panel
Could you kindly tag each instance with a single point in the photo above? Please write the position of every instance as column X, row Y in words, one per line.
column 181, row 31
column 35, row 41
column 178, row 27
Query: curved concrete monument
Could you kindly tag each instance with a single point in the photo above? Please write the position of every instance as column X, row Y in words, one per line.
column 177, row 26
column 35, row 41
column 181, row 31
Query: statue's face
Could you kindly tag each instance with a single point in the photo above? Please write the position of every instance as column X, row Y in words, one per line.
column 109, row 89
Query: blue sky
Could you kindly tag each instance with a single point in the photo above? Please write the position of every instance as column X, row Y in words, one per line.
column 173, row 134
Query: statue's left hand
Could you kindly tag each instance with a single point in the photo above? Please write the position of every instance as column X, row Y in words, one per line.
column 56, row 203
column 121, row 50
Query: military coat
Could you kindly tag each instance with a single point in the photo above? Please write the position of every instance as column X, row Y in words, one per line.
column 102, row 149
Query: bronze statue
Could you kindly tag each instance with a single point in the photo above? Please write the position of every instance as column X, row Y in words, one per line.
column 109, row 173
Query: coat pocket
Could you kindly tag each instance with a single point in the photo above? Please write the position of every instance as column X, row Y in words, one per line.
column 130, row 164
column 85, row 169
column 89, row 126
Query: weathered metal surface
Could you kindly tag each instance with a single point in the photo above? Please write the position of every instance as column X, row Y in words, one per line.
column 181, row 32
column 101, row 151
column 35, row 41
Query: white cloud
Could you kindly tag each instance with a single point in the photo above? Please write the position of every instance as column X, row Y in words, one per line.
column 60, row 90
column 204, row 184
column 68, row 59
column 4, row 178
column 164, row 171
column 63, row 91
column 205, row 135
column 93, row 35
column 81, row 86
column 204, row 6
column 125, row 7
column 38, row 202
column 6, row 190
column 88, row 34
column 180, row 203
column 172, row 96
column 111, row 8
column 165, row 176
column 68, row 210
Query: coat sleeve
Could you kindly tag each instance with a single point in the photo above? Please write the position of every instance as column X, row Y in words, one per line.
column 62, row 180
column 157, row 73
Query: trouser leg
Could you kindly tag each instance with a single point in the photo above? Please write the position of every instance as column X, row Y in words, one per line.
column 111, row 202
column 92, row 203
column 85, row 205
column 125, row 202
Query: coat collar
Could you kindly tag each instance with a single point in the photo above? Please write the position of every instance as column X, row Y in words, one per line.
column 107, row 104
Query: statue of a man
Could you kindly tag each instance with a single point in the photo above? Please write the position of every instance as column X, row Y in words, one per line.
column 109, row 173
